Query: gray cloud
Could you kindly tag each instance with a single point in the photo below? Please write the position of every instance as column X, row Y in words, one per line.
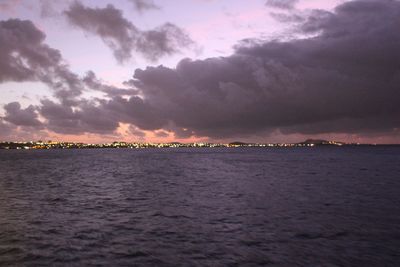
column 12, row 132
column 92, row 82
column 143, row 5
column 282, row 4
column 166, row 39
column 346, row 79
column 135, row 111
column 300, row 17
column 21, row 117
column 86, row 117
column 25, row 57
column 123, row 37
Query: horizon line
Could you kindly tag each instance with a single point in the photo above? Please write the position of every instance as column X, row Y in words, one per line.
column 139, row 144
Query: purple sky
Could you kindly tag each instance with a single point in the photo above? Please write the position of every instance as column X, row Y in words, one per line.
column 200, row 70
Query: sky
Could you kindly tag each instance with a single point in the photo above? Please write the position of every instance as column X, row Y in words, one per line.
column 200, row 70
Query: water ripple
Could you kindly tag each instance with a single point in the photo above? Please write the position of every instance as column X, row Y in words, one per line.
column 200, row 207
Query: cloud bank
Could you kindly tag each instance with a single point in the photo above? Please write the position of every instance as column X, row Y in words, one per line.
column 344, row 80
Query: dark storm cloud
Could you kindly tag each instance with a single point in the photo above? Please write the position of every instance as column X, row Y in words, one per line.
column 21, row 117
column 123, row 37
column 283, row 4
column 346, row 79
column 135, row 111
column 25, row 57
column 143, row 5
column 85, row 117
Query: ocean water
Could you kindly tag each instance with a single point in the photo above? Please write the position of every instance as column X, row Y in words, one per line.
column 323, row 206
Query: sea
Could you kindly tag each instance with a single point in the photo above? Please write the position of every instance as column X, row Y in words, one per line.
column 319, row 206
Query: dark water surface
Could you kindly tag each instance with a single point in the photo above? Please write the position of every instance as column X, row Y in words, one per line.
column 201, row 207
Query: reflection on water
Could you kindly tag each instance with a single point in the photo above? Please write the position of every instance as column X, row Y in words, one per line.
column 201, row 207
